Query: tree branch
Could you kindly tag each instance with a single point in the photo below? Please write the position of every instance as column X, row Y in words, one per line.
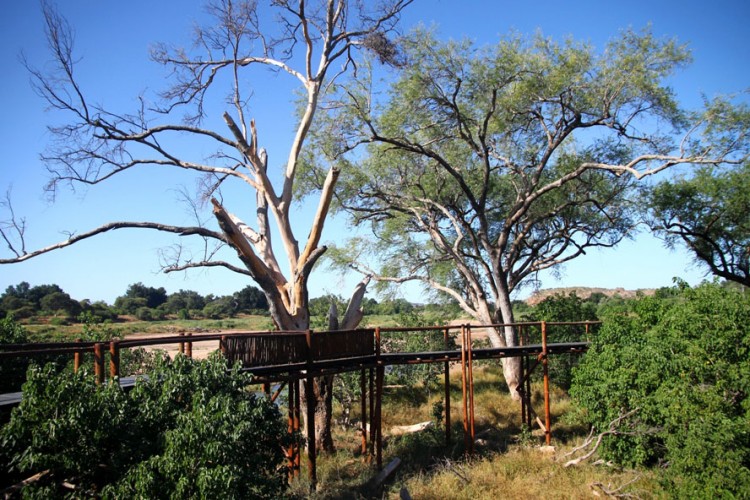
column 182, row 231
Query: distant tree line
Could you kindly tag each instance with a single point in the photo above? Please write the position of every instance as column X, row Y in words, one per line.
column 146, row 303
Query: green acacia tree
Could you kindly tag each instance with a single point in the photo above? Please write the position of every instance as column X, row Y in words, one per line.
column 708, row 212
column 481, row 167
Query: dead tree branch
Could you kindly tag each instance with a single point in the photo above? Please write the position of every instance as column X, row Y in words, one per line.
column 613, row 429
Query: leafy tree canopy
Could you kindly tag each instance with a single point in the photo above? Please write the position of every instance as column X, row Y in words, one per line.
column 486, row 165
column 709, row 212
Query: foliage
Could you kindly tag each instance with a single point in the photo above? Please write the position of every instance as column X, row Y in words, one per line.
column 481, row 170
column 184, row 300
column 23, row 301
column 422, row 375
column 68, row 425
column 191, row 429
column 99, row 311
column 250, row 300
column 139, row 295
column 220, row 307
column 562, row 308
column 681, row 366
column 12, row 370
column 708, row 212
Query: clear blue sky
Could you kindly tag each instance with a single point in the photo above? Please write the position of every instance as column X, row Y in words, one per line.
column 113, row 39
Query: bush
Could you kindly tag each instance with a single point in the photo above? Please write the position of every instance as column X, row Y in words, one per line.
column 58, row 321
column 12, row 370
column 148, row 314
column 191, row 430
column 69, row 426
column 680, row 364
column 219, row 308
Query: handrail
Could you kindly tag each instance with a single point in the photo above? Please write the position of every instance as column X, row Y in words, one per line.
column 52, row 348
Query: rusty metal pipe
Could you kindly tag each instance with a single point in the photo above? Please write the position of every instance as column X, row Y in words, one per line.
column 545, row 367
column 363, row 408
column 310, row 403
column 290, row 430
column 447, row 382
column 471, row 392
column 372, row 411
column 380, row 371
column 464, row 393
column 114, row 360
column 98, row 363
column 77, row 359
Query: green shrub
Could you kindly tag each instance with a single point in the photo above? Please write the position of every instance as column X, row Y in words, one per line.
column 191, row 430
column 12, row 370
column 681, row 365
column 58, row 321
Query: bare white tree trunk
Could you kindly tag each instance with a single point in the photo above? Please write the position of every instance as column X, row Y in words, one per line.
column 511, row 366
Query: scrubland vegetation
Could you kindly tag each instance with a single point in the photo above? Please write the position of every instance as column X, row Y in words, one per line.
column 665, row 380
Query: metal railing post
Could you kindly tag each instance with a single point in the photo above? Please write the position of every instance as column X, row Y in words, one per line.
column 545, row 368
column 77, row 359
column 98, row 363
column 447, row 382
column 114, row 360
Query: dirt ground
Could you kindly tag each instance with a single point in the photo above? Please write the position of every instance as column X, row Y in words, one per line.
column 201, row 350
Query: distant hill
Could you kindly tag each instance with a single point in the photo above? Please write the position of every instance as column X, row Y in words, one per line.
column 585, row 292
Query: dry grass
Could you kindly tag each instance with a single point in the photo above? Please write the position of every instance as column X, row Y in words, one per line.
column 508, row 464
column 130, row 326
column 522, row 473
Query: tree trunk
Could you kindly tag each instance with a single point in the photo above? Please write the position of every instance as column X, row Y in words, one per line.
column 323, row 414
column 503, row 337
column 511, row 366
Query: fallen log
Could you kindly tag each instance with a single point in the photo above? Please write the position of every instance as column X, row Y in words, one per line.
column 399, row 430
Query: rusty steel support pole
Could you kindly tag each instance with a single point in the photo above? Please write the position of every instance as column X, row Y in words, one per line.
column 114, row 359
column 310, row 402
column 189, row 346
column 547, row 415
column 464, row 389
column 524, row 368
column 98, row 363
column 524, row 362
column 447, row 405
column 372, row 412
column 311, row 451
column 379, row 376
column 290, row 430
column 471, row 390
column 379, row 418
column 587, row 332
column 363, row 408
column 77, row 359
column 373, row 395
column 297, row 406
column 181, row 345
column 528, row 388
